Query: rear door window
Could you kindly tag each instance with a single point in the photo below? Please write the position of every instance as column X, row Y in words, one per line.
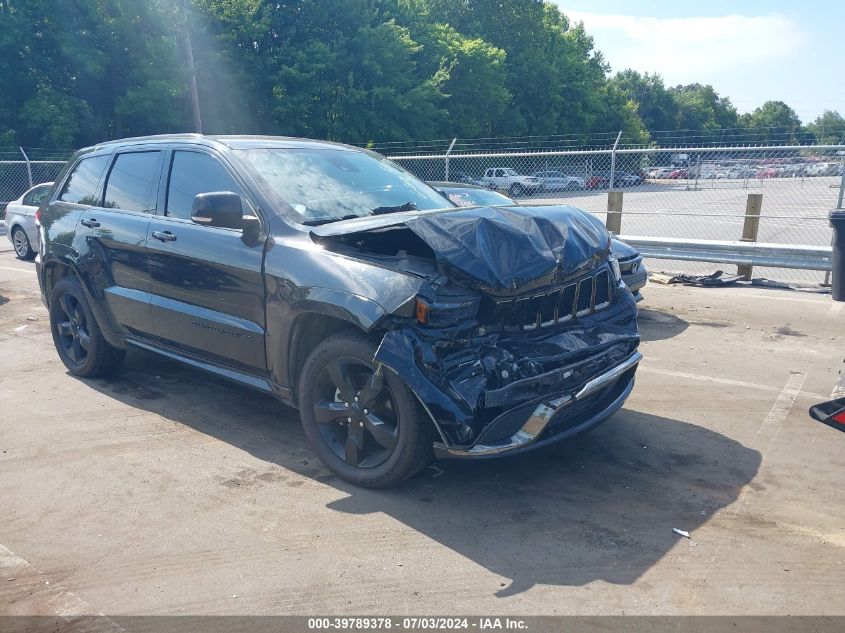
column 132, row 181
column 192, row 173
column 81, row 187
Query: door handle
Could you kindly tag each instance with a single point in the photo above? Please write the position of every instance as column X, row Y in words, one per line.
column 164, row 236
column 91, row 224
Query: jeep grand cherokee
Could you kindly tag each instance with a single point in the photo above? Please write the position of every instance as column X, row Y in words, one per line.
column 401, row 326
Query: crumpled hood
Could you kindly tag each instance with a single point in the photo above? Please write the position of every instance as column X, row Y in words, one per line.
column 505, row 247
column 501, row 247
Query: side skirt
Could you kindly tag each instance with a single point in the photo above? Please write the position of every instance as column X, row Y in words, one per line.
column 249, row 380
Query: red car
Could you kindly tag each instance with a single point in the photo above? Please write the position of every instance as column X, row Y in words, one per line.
column 597, row 182
column 768, row 172
column 679, row 174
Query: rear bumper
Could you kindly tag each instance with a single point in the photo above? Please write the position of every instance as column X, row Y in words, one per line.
column 554, row 417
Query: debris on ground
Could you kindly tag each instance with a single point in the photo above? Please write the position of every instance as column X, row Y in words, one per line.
column 714, row 280
column 681, row 532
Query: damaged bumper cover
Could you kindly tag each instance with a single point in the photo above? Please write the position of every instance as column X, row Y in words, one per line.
column 560, row 410
column 490, row 395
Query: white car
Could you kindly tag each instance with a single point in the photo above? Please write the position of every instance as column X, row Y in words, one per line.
column 558, row 181
column 20, row 220
column 506, row 179
column 660, row 172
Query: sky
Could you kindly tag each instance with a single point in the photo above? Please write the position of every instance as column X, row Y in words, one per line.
column 751, row 51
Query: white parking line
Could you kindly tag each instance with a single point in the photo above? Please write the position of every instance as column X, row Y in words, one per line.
column 771, row 426
column 780, row 409
column 724, row 381
column 9, row 561
column 822, row 300
column 18, row 270
column 62, row 603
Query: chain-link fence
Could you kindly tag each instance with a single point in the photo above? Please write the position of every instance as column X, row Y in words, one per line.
column 683, row 192
column 22, row 169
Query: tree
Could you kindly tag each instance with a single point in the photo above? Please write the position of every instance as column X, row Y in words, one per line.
column 774, row 121
column 656, row 105
column 701, row 109
column 828, row 128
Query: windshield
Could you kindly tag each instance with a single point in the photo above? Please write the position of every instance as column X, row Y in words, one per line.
column 472, row 197
column 327, row 185
column 511, row 172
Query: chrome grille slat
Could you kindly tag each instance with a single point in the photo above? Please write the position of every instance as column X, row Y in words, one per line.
column 575, row 299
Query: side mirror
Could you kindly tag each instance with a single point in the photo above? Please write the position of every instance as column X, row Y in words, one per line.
column 218, row 208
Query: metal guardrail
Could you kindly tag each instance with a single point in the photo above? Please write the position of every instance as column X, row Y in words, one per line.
column 734, row 252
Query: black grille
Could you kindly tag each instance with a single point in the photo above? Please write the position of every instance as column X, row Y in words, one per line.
column 557, row 306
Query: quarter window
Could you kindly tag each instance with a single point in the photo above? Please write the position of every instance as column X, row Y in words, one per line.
column 131, row 181
column 35, row 197
column 81, row 187
column 192, row 173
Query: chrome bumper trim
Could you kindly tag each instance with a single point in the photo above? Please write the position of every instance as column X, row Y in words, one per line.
column 544, row 412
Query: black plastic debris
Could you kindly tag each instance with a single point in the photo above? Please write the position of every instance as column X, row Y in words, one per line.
column 715, row 280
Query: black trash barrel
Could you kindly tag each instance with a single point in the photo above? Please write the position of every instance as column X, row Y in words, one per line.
column 837, row 279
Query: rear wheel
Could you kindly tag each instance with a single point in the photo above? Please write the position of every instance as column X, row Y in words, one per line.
column 77, row 336
column 362, row 421
column 23, row 249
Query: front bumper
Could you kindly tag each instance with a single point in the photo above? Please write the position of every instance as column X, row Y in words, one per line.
column 553, row 418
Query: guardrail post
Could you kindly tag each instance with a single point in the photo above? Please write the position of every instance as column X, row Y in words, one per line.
column 750, row 227
column 614, row 212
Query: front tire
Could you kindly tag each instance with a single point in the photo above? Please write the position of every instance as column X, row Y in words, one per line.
column 368, row 428
column 516, row 189
column 23, row 249
column 77, row 335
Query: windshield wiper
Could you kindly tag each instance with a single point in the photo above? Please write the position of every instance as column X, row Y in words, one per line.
column 320, row 221
column 408, row 206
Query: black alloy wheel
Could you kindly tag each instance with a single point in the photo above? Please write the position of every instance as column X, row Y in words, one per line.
column 356, row 412
column 72, row 329
column 359, row 417
column 76, row 333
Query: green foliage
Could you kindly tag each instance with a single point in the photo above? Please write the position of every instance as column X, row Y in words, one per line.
column 829, row 128
column 352, row 70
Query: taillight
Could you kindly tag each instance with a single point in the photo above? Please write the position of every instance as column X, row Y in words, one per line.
column 38, row 216
column 839, row 417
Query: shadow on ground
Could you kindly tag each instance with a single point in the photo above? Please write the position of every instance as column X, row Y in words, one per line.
column 598, row 507
column 657, row 326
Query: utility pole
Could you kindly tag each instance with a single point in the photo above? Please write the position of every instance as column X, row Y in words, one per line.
column 192, row 72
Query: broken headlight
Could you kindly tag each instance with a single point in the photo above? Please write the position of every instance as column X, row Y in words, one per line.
column 446, row 312
column 614, row 266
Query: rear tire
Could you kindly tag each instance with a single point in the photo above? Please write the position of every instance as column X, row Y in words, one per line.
column 377, row 449
column 77, row 335
column 23, row 249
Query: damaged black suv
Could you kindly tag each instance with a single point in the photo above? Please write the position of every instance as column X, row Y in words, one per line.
column 402, row 327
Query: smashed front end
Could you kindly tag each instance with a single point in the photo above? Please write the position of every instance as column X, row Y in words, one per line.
column 523, row 333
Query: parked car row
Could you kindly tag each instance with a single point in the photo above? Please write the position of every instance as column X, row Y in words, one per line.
column 516, row 184
column 733, row 171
